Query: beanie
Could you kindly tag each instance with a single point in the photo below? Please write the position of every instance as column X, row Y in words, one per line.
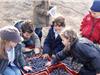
column 10, row 35
column 96, row 6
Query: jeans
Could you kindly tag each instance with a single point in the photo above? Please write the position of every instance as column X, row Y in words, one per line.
column 12, row 70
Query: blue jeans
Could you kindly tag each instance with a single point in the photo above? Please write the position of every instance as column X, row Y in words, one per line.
column 12, row 70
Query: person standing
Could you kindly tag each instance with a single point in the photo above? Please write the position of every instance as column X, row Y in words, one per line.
column 40, row 15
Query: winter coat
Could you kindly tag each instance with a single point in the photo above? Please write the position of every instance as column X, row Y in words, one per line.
column 19, row 60
column 86, row 53
column 90, row 28
column 40, row 17
column 52, row 45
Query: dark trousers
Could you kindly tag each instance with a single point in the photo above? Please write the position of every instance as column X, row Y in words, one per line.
column 38, row 31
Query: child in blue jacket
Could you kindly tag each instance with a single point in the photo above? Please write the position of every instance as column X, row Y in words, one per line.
column 53, row 42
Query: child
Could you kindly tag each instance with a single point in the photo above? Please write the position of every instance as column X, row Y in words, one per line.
column 80, row 49
column 11, row 58
column 90, row 26
column 53, row 42
column 30, row 38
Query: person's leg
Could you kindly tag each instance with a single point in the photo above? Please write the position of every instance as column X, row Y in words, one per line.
column 9, row 71
column 38, row 31
column 16, row 70
column 45, row 31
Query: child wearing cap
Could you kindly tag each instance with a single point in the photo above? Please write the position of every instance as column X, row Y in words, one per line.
column 90, row 26
column 53, row 42
column 11, row 58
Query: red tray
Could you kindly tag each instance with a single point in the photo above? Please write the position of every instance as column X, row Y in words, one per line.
column 44, row 72
column 49, row 69
column 62, row 66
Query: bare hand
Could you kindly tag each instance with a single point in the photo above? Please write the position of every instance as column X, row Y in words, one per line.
column 48, row 64
column 27, row 68
column 27, row 49
column 98, row 74
column 36, row 50
column 45, row 56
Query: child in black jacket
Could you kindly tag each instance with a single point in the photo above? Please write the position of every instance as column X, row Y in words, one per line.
column 80, row 49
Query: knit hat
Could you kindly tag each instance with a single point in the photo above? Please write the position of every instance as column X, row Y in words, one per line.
column 10, row 34
column 60, row 19
column 96, row 6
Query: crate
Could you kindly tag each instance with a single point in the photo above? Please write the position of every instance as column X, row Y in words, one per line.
column 62, row 66
column 50, row 69
column 40, row 68
column 43, row 72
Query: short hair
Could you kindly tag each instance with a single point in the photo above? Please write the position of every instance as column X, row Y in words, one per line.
column 27, row 26
column 60, row 20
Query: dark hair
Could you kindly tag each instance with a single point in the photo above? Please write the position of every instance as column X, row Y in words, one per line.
column 27, row 27
column 59, row 21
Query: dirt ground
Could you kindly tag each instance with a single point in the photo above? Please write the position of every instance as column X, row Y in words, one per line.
column 12, row 11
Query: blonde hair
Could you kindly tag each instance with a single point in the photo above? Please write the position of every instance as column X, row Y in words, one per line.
column 71, row 35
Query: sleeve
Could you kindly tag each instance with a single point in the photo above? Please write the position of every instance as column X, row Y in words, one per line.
column 92, row 54
column 3, row 65
column 21, row 60
column 83, row 23
column 38, row 9
column 60, row 56
column 41, row 11
column 47, row 42
column 37, row 41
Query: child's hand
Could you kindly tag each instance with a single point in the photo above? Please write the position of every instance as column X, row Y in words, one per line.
column 48, row 64
column 27, row 49
column 98, row 74
column 36, row 50
column 27, row 68
column 45, row 56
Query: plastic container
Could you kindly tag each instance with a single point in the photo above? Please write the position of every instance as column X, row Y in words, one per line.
column 50, row 69
column 61, row 66
column 44, row 72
